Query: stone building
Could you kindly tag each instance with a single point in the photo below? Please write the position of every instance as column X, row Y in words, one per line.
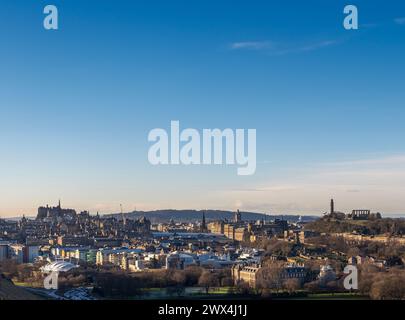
column 246, row 274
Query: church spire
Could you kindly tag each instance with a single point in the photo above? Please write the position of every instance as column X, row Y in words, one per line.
column 124, row 220
column 203, row 223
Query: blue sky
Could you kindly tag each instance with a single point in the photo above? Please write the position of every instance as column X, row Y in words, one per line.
column 77, row 104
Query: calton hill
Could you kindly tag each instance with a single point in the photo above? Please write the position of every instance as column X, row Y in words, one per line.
column 331, row 223
column 376, row 245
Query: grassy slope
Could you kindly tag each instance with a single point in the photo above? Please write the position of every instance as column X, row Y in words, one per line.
column 8, row 291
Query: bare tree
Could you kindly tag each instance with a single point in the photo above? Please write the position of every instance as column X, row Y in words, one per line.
column 292, row 285
column 270, row 277
column 208, row 280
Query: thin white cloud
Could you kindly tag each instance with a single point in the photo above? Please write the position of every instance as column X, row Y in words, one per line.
column 389, row 160
column 400, row 21
column 317, row 45
column 251, row 45
column 374, row 183
column 281, row 48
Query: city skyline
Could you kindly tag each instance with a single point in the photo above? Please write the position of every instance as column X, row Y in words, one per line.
column 120, row 210
column 77, row 104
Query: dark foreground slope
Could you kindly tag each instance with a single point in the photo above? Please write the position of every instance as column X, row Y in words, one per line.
column 9, row 291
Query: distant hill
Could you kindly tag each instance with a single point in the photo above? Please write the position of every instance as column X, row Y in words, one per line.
column 9, row 291
column 159, row 216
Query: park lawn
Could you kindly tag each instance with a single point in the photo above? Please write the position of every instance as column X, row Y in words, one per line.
column 38, row 284
column 335, row 296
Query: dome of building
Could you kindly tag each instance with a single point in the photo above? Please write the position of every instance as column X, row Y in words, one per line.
column 58, row 266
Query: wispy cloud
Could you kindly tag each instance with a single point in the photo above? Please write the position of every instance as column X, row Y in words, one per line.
column 377, row 183
column 318, row 45
column 274, row 48
column 352, row 190
column 400, row 21
column 251, row 45
column 306, row 47
column 390, row 160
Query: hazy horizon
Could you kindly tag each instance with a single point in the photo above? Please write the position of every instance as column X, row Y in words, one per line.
column 33, row 214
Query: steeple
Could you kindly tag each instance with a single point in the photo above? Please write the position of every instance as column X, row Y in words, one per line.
column 124, row 220
column 203, row 224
